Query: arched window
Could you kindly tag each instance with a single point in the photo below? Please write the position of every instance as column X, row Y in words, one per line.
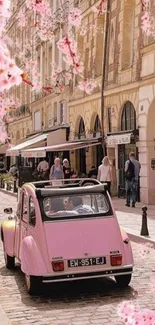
column 81, row 127
column 97, row 125
column 128, row 120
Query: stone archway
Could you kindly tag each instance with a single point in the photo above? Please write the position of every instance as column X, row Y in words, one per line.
column 127, row 124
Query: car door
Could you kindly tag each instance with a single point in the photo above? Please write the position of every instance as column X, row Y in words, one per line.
column 18, row 224
column 24, row 220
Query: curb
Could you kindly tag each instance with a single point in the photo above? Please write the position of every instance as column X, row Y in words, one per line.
column 141, row 240
column 8, row 193
column 4, row 319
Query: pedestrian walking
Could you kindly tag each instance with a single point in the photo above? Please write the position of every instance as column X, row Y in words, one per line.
column 13, row 171
column 56, row 173
column 132, row 171
column 105, row 173
column 43, row 169
column 66, row 169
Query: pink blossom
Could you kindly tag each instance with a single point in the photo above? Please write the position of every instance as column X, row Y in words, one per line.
column 131, row 315
column 87, row 86
column 22, row 21
column 146, row 23
column 101, row 8
column 75, row 17
column 126, row 309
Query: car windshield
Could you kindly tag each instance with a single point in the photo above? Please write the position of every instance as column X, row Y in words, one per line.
column 75, row 205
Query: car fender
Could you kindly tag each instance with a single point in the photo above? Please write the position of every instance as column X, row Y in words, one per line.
column 8, row 235
column 127, row 248
column 32, row 262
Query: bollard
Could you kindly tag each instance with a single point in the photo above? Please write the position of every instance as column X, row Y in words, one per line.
column 144, row 229
column 14, row 186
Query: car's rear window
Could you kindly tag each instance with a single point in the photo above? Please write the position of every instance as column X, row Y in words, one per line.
column 76, row 206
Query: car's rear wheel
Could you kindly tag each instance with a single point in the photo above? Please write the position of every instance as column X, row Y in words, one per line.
column 123, row 280
column 33, row 284
column 9, row 261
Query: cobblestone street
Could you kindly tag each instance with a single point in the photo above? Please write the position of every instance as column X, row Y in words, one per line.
column 91, row 302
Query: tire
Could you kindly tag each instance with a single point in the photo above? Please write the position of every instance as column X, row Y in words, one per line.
column 9, row 261
column 123, row 280
column 33, row 284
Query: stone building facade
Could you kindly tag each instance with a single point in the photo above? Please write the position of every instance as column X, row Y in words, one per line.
column 129, row 94
column 129, row 98
column 21, row 120
column 85, row 110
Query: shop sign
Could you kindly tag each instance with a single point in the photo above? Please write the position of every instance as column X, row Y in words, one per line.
column 36, row 154
column 113, row 140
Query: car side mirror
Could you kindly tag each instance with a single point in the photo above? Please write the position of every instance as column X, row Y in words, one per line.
column 8, row 211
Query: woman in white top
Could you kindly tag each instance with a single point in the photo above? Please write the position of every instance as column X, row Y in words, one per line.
column 105, row 173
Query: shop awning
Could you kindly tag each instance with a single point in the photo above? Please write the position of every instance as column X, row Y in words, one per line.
column 16, row 150
column 116, row 139
column 68, row 146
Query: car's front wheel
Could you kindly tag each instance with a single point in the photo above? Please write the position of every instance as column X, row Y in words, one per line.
column 123, row 280
column 9, row 261
column 33, row 284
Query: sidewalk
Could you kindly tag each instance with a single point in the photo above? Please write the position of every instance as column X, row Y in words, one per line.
column 130, row 219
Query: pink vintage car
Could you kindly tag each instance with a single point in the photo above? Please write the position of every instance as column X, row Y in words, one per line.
column 66, row 233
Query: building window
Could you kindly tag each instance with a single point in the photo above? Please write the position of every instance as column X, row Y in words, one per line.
column 109, row 120
column 37, row 121
column 128, row 33
column 128, row 120
column 81, row 132
column 97, row 125
column 50, row 116
column 61, row 113
column 55, row 114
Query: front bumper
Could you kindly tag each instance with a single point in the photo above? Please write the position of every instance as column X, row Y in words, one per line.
column 87, row 275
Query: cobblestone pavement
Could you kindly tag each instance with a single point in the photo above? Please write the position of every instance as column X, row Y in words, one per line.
column 86, row 303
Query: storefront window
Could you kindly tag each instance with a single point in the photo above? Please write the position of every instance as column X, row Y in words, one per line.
column 128, row 121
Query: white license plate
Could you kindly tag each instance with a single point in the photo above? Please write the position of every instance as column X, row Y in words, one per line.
column 87, row 262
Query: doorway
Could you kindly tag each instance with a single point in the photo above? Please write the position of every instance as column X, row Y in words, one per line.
column 128, row 124
column 123, row 156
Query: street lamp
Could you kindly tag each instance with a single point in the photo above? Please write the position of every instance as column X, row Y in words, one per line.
column 105, row 49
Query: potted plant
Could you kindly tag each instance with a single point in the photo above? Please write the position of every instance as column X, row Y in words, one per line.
column 1, row 180
column 2, row 183
column 8, row 180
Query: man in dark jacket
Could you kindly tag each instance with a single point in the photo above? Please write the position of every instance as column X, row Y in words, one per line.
column 93, row 172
